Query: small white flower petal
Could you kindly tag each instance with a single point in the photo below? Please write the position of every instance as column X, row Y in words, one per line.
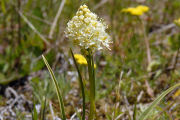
column 87, row 31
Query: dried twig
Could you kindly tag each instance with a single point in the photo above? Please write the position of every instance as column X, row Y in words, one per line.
column 175, row 59
column 163, row 29
column 119, row 116
column 127, row 107
column 73, row 116
column 174, row 62
column 100, row 4
column 52, row 111
column 33, row 28
column 11, row 90
column 38, row 18
column 149, row 89
column 148, row 51
column 140, row 96
column 15, row 101
column 49, row 49
column 56, row 19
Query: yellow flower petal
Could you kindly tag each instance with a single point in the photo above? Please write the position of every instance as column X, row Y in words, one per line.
column 137, row 11
column 143, row 8
column 177, row 22
column 95, row 66
column 80, row 59
column 176, row 94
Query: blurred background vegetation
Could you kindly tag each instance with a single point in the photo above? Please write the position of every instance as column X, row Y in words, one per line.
column 124, row 77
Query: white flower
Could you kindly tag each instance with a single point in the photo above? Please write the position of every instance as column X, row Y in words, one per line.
column 87, row 31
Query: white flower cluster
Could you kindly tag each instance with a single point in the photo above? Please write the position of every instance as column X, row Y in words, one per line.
column 86, row 31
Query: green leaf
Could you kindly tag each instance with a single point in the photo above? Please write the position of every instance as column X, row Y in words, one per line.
column 134, row 112
column 92, row 84
column 35, row 114
column 43, row 108
column 145, row 114
column 60, row 99
column 81, row 84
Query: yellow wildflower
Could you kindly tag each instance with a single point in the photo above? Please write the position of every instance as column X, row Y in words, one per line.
column 177, row 22
column 143, row 8
column 128, row 9
column 176, row 94
column 95, row 66
column 80, row 59
column 137, row 11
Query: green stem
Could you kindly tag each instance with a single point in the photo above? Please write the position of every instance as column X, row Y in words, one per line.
column 148, row 50
column 81, row 84
column 92, row 85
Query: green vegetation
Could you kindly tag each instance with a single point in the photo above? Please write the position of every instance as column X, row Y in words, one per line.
column 143, row 63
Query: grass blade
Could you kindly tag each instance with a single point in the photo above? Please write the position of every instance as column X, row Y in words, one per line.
column 92, row 85
column 57, row 89
column 145, row 114
column 81, row 84
column 135, row 111
column 43, row 108
column 34, row 114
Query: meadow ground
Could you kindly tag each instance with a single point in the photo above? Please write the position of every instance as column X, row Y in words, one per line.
column 144, row 60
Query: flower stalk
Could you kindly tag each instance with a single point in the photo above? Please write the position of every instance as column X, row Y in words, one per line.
column 87, row 31
column 92, row 84
column 146, row 40
column 80, row 81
